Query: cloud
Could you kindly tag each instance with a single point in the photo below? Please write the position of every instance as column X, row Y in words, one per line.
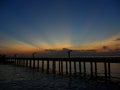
column 118, row 39
column 109, row 44
column 12, row 45
column 105, row 47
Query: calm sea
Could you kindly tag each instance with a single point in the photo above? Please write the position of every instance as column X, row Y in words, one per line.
column 20, row 78
column 115, row 68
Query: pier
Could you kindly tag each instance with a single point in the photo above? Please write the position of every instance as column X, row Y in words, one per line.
column 67, row 66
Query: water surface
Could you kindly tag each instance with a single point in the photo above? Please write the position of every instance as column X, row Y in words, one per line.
column 16, row 78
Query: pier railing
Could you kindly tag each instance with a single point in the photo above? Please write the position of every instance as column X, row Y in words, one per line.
column 68, row 66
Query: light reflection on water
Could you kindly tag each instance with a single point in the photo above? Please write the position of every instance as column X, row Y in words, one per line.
column 16, row 78
column 115, row 67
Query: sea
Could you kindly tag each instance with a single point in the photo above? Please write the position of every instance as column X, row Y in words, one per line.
column 14, row 77
column 114, row 68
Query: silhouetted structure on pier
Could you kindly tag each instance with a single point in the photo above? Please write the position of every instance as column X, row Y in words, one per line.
column 69, row 53
column 2, row 59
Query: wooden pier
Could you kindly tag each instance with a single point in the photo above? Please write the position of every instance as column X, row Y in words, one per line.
column 67, row 66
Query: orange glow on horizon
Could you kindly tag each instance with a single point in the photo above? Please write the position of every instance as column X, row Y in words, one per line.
column 17, row 46
column 110, row 43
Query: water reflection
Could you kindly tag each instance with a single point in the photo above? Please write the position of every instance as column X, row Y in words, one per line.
column 23, row 78
column 115, row 67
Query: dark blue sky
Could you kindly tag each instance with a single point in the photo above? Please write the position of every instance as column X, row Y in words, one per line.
column 58, row 23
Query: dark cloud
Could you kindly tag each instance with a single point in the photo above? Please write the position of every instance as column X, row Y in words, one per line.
column 118, row 39
column 105, row 47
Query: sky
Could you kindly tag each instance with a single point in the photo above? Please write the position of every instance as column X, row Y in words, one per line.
column 33, row 25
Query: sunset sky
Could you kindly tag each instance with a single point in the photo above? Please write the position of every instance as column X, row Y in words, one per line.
column 31, row 25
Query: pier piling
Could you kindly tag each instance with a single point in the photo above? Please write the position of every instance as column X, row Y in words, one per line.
column 67, row 66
